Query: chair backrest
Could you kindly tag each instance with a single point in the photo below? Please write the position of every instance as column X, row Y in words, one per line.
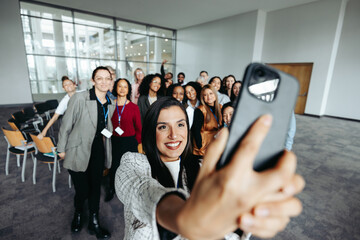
column 14, row 137
column 44, row 145
column 53, row 103
column 13, row 124
column 41, row 107
column 29, row 112
column 19, row 116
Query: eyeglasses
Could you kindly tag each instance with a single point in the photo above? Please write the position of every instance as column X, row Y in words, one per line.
column 138, row 73
column 98, row 79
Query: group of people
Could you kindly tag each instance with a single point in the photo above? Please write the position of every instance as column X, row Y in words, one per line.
column 172, row 190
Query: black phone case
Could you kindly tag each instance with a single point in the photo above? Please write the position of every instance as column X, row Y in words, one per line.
column 249, row 108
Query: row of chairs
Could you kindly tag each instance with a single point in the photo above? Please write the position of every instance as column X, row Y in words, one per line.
column 43, row 150
column 33, row 119
column 22, row 140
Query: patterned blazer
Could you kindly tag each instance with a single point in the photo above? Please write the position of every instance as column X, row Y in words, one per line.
column 140, row 194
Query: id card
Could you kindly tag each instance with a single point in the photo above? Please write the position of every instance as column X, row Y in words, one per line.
column 119, row 131
column 106, row 133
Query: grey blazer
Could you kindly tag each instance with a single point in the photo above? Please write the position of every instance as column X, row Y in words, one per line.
column 77, row 131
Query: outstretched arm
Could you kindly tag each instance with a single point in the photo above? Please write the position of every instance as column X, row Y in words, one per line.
column 48, row 125
column 262, row 203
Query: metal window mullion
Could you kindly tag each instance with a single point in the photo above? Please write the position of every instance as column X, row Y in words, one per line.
column 174, row 52
column 35, row 63
column 148, row 49
column 116, row 47
column 75, row 45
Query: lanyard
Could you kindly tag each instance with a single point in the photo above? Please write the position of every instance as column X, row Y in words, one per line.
column 107, row 111
column 119, row 115
column 214, row 116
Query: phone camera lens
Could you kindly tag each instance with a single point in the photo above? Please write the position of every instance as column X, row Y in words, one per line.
column 260, row 74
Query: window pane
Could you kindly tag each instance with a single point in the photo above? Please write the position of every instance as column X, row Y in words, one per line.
column 95, row 42
column 130, row 27
column 131, row 47
column 45, row 12
column 160, row 49
column 130, row 68
column 46, row 72
column 86, row 67
column 43, row 36
column 159, row 32
column 93, row 20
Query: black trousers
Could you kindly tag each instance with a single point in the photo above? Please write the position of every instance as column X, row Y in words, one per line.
column 120, row 145
column 87, row 184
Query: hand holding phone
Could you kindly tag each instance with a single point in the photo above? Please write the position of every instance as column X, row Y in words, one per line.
column 265, row 90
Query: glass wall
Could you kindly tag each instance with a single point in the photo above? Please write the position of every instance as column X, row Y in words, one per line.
column 62, row 42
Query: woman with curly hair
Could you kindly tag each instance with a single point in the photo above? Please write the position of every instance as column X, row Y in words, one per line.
column 151, row 88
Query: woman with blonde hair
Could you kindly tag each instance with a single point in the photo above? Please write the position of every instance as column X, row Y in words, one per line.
column 207, row 120
column 138, row 77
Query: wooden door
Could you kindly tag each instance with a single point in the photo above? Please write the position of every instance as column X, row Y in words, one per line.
column 302, row 71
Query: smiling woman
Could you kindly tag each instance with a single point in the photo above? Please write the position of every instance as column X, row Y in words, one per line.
column 86, row 150
column 155, row 188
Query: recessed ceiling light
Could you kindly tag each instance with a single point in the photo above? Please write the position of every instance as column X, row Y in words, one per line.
column 131, row 46
column 140, row 44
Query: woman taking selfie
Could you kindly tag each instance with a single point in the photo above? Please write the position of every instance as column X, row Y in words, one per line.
column 84, row 142
column 126, row 123
column 155, row 188
column 207, row 120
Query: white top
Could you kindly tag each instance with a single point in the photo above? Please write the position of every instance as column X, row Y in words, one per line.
column 223, row 98
column 140, row 194
column 190, row 111
column 174, row 168
column 64, row 102
column 63, row 105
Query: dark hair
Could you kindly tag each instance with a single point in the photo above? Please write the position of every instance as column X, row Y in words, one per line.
column 97, row 69
column 172, row 75
column 114, row 91
column 145, row 84
column 203, row 71
column 197, row 88
column 171, row 88
column 228, row 104
column 213, row 78
column 148, row 135
column 232, row 96
column 63, row 78
column 181, row 73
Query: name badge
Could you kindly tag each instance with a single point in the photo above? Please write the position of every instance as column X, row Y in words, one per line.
column 106, row 133
column 119, row 131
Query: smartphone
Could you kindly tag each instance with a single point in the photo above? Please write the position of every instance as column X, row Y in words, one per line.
column 265, row 90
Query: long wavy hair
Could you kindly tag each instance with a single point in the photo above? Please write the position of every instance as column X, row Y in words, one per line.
column 158, row 169
column 217, row 106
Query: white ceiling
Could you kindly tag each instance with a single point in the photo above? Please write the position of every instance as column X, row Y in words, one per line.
column 175, row 14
